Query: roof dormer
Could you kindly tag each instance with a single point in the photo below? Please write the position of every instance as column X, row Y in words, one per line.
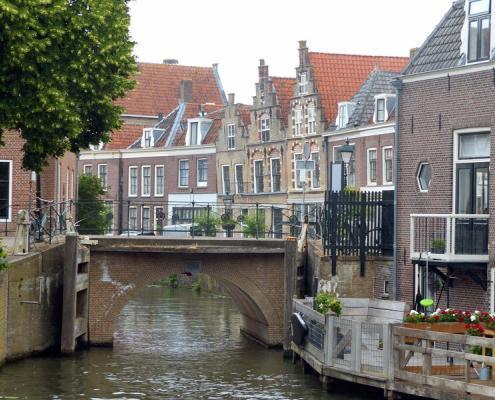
column 197, row 128
column 346, row 109
column 384, row 106
column 477, row 36
column 147, row 140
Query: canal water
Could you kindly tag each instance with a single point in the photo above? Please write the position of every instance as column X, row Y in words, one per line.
column 169, row 344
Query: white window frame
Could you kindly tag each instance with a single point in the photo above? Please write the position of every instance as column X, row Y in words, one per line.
column 143, row 194
column 155, row 220
column 271, row 174
column 311, row 173
column 189, row 132
column 147, row 131
column 343, row 115
column 135, row 228
column 418, row 181
column 265, row 126
column 85, row 166
column 188, row 174
column 237, row 179
column 150, row 227
column 297, row 173
column 129, row 192
column 368, row 169
column 384, row 166
column 298, row 121
column 311, row 110
column 224, row 189
column 255, row 188
column 158, row 194
column 231, row 132
column 99, row 176
column 303, row 83
column 9, row 214
column 198, row 182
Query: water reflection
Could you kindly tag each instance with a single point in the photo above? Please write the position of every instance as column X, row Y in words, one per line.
column 169, row 344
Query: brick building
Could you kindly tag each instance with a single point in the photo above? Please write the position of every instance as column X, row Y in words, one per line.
column 445, row 189
column 162, row 162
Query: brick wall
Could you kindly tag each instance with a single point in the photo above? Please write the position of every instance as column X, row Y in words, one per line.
column 430, row 112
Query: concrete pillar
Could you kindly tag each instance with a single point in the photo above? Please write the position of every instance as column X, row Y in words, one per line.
column 290, row 272
column 21, row 244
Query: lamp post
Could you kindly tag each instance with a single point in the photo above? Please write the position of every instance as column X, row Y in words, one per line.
column 228, row 199
column 346, row 152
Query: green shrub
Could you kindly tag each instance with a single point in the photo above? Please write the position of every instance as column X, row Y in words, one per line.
column 326, row 302
column 206, row 224
column 253, row 226
column 173, row 282
column 94, row 216
column 3, row 258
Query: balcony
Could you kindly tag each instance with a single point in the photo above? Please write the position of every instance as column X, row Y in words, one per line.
column 449, row 238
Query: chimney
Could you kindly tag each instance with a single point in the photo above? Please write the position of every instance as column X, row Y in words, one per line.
column 231, row 99
column 171, row 61
column 186, row 91
column 303, row 53
column 263, row 70
column 413, row 52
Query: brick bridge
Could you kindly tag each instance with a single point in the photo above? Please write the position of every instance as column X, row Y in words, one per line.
column 253, row 272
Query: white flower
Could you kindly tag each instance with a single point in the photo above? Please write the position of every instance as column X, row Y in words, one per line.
column 447, row 310
column 477, row 312
column 422, row 314
column 473, row 318
column 438, row 311
column 413, row 312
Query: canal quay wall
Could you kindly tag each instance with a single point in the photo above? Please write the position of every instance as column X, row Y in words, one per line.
column 31, row 303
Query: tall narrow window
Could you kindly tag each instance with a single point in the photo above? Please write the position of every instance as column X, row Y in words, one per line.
column 343, row 116
column 159, row 180
column 387, row 166
column 184, row 173
column 194, row 134
column 146, row 219
column 298, row 122
column 110, row 212
column 258, row 176
column 88, row 170
column 380, row 110
column 133, row 181
column 239, row 178
column 203, row 172
column 299, row 180
column 275, row 174
column 231, row 136
column 147, row 138
column 159, row 222
column 315, row 174
column 132, row 218
column 372, row 166
column 146, row 181
column 278, row 224
column 303, row 83
column 479, row 30
column 265, row 129
column 311, row 120
column 5, row 189
column 226, row 179
column 103, row 175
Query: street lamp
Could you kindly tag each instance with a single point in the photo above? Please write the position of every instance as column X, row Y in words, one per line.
column 346, row 152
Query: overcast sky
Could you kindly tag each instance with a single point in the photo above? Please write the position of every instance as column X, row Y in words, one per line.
column 237, row 34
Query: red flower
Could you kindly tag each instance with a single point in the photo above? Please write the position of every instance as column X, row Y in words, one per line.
column 436, row 317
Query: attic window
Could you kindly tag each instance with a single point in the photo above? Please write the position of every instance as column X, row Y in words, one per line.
column 380, row 110
column 479, row 30
column 343, row 117
column 147, row 138
column 194, row 133
column 303, row 83
column 384, row 106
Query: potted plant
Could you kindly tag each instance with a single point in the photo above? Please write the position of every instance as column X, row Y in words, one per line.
column 326, row 302
column 438, row 246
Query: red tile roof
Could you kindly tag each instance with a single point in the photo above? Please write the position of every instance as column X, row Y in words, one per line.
column 284, row 88
column 214, row 112
column 245, row 114
column 158, row 88
column 124, row 137
column 339, row 76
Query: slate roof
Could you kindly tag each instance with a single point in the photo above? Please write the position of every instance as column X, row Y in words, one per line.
column 284, row 89
column 442, row 48
column 378, row 82
column 339, row 76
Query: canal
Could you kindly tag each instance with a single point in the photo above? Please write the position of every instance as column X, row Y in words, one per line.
column 169, row 344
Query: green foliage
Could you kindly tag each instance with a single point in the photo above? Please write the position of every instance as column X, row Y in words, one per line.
column 326, row 302
column 173, row 281
column 196, row 287
column 3, row 258
column 206, row 224
column 253, row 226
column 93, row 215
column 63, row 65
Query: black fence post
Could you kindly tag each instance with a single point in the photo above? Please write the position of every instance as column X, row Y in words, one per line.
column 128, row 217
column 362, row 234
column 257, row 221
column 192, row 220
column 50, row 223
column 332, row 220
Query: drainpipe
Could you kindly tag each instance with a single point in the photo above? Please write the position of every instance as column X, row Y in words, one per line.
column 397, row 84
column 327, row 165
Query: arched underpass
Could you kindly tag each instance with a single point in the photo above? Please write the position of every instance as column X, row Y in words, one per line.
column 252, row 271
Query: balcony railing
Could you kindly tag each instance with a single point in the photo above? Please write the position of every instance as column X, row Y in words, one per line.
column 461, row 238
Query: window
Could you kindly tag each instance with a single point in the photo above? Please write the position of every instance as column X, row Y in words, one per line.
column 311, row 120
column 479, row 30
column 183, row 173
column 103, row 175
column 387, row 165
column 88, row 170
column 159, row 180
column 343, row 118
column 380, row 110
column 315, row 175
column 349, row 169
column 424, row 177
column 258, row 177
column 203, row 172
column 239, row 178
column 146, row 181
column 5, row 190
column 303, row 83
column 371, row 166
column 132, row 218
column 231, row 136
column 193, row 140
column 226, row 178
column 265, row 129
column 159, row 221
column 278, row 223
column 133, row 181
column 475, row 145
column 299, row 175
column 275, row 172
column 184, row 215
column 147, row 138
column 298, row 122
column 145, row 219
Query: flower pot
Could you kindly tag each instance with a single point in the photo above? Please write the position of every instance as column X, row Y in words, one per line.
column 485, row 373
column 438, row 250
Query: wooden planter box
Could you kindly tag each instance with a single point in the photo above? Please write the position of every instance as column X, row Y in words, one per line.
column 445, row 327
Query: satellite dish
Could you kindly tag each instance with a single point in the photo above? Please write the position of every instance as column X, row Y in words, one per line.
column 307, row 151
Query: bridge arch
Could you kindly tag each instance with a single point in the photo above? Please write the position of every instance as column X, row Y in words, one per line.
column 254, row 282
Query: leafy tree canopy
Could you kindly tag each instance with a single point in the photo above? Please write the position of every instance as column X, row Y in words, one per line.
column 92, row 213
column 63, row 63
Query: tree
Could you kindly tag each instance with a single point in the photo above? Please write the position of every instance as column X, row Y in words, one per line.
column 93, row 215
column 254, row 225
column 63, row 63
